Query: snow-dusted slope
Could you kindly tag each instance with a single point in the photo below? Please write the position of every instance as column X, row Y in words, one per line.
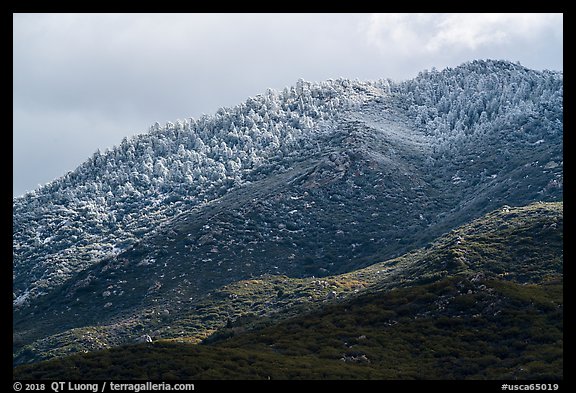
column 116, row 197
column 441, row 147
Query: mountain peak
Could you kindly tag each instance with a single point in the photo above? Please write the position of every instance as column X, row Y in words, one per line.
column 317, row 180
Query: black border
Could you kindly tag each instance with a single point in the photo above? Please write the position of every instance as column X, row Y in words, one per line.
column 329, row 385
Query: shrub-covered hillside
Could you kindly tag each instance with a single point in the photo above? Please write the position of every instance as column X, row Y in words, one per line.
column 483, row 302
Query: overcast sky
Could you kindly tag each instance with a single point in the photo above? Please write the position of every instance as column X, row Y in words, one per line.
column 84, row 81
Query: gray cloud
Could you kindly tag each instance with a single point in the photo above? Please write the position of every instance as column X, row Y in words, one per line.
column 84, row 81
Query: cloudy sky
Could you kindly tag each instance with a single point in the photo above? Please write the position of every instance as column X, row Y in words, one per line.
column 85, row 81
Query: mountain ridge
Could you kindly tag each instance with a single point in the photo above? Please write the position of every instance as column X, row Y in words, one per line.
column 315, row 181
column 73, row 227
